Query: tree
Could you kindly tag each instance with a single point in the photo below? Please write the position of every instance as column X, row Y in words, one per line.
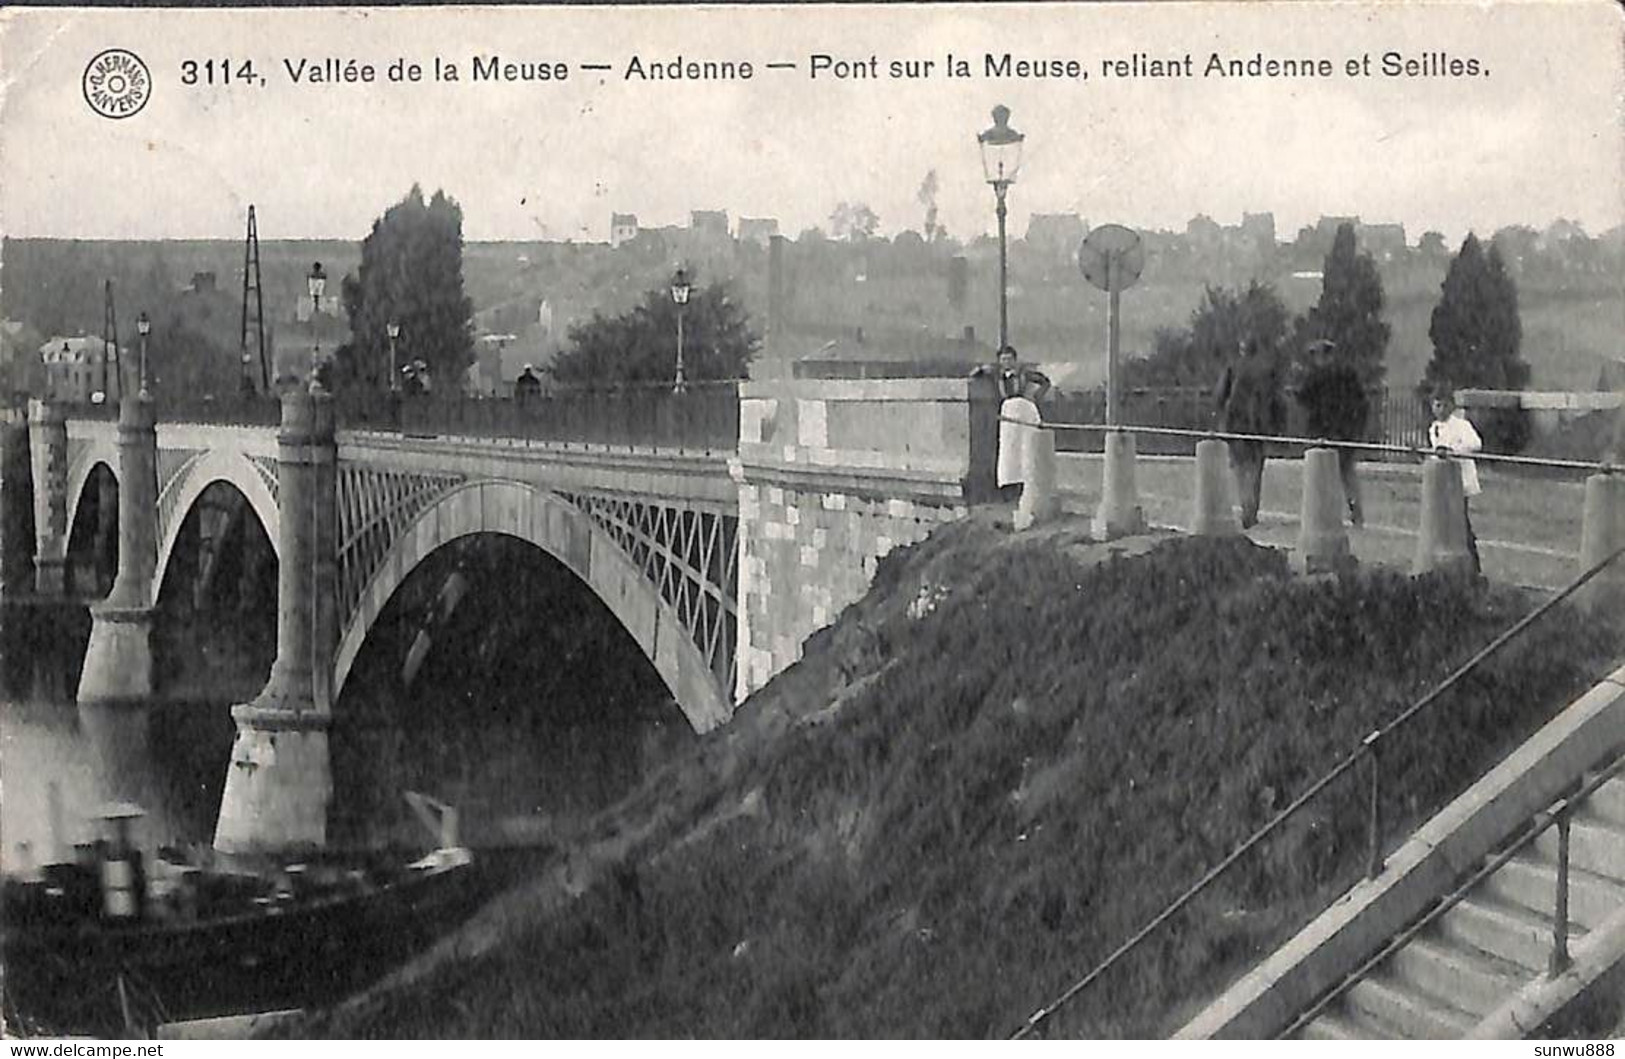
column 1197, row 354
column 641, row 345
column 1476, row 335
column 1349, row 312
column 927, row 197
column 412, row 273
column 853, row 221
column 1432, row 246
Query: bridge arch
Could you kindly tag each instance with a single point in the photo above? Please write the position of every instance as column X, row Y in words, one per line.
column 197, row 474
column 79, row 472
column 565, row 532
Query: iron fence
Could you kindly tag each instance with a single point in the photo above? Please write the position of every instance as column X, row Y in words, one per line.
column 704, row 418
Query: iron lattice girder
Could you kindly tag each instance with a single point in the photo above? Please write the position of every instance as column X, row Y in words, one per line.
column 375, row 508
column 688, row 555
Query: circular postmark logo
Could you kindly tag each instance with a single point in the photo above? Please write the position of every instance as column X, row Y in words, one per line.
column 117, row 83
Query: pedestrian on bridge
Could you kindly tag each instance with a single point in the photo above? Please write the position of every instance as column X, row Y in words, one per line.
column 1249, row 402
column 1021, row 387
column 1452, row 435
column 1336, row 407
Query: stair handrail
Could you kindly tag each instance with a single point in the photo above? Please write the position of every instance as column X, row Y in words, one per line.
column 1554, row 815
column 1368, row 748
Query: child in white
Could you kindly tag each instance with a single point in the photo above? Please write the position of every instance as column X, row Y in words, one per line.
column 1452, row 432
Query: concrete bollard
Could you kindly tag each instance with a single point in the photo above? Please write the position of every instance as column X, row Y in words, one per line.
column 1441, row 543
column 1215, row 498
column 1602, row 533
column 1039, row 502
column 1323, row 543
column 1119, row 514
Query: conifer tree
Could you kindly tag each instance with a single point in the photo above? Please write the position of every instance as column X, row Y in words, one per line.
column 411, row 273
column 1476, row 336
column 1349, row 313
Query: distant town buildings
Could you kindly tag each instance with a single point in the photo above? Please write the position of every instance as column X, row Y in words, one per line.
column 623, row 228
column 709, row 222
column 758, row 230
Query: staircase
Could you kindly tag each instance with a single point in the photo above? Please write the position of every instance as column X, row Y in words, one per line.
column 1480, row 952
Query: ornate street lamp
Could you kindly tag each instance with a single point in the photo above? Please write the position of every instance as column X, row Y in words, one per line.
column 143, row 327
column 316, row 283
column 1001, row 160
column 393, row 328
column 679, row 294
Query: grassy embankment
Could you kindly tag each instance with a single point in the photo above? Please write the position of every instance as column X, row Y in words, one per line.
column 1011, row 754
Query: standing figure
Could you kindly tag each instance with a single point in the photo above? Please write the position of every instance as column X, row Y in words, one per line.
column 1249, row 401
column 528, row 386
column 1021, row 387
column 1337, row 407
column 1452, row 434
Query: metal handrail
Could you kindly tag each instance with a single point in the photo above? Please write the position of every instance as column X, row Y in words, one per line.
column 1368, row 748
column 1558, row 813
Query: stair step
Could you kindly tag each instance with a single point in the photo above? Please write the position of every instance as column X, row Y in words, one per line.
column 1509, row 931
column 1530, row 881
column 1608, row 802
column 1408, row 1012
column 1473, row 980
column 1593, row 845
column 1334, row 1024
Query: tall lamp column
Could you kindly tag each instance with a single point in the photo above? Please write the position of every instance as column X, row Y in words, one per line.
column 394, row 330
column 1001, row 160
column 143, row 327
column 679, row 295
column 316, row 283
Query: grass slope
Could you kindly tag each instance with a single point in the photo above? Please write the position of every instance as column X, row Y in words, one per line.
column 993, row 769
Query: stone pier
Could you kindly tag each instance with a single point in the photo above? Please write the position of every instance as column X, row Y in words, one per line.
column 279, row 782
column 48, row 454
column 118, row 659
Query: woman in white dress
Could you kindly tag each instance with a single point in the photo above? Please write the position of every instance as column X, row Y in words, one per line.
column 1022, row 387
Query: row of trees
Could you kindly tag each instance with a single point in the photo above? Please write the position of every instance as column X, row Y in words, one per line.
column 1475, row 330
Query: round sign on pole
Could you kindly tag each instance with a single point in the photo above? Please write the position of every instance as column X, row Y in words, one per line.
column 1112, row 257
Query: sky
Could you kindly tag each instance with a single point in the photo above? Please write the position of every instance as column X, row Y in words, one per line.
column 1535, row 136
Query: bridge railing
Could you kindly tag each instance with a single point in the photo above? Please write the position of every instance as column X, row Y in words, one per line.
column 702, row 419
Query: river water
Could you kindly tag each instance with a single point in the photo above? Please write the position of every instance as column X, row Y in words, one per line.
column 61, row 762
column 533, row 711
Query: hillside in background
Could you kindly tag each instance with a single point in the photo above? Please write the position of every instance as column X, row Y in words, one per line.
column 871, row 299
column 882, row 845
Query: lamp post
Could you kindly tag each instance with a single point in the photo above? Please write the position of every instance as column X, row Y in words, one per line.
column 1001, row 159
column 679, row 294
column 316, row 283
column 143, row 327
column 393, row 328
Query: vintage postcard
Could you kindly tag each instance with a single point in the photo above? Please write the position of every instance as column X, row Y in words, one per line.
column 852, row 520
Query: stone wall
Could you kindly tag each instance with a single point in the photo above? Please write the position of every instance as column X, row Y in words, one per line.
column 832, row 476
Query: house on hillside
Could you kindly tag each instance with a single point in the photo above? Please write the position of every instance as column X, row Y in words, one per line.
column 709, row 223
column 623, row 228
column 758, row 230
column 75, row 372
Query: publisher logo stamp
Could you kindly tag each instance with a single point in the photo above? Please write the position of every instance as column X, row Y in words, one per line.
column 117, row 83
